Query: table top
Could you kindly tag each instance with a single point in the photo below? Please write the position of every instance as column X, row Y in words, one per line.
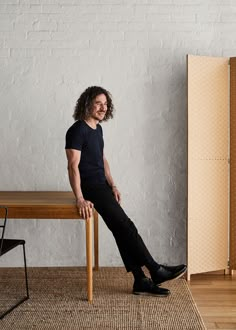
column 17, row 198
column 39, row 204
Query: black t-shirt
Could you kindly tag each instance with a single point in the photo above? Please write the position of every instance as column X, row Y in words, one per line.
column 89, row 141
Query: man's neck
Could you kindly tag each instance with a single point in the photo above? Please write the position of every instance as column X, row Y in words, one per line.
column 92, row 122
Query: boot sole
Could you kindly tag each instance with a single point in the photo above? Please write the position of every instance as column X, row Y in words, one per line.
column 174, row 278
column 151, row 294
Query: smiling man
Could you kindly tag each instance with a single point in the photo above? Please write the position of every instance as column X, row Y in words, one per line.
column 93, row 186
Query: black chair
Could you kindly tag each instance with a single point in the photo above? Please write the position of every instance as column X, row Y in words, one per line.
column 7, row 245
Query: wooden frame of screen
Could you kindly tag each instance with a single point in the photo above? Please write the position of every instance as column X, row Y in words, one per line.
column 208, row 167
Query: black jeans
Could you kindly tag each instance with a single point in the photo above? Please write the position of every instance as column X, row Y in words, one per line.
column 132, row 249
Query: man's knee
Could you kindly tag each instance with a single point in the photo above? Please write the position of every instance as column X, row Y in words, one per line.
column 123, row 226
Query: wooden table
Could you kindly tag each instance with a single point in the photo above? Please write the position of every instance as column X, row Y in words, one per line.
column 53, row 205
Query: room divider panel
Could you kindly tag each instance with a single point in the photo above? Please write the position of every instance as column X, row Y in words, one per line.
column 208, row 165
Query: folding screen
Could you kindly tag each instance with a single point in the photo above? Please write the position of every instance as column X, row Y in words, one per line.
column 208, row 164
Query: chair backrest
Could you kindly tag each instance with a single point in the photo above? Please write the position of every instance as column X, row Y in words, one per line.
column 3, row 226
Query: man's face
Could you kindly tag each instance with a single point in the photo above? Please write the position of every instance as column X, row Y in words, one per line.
column 99, row 107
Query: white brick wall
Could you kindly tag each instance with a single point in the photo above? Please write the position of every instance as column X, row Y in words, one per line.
column 50, row 51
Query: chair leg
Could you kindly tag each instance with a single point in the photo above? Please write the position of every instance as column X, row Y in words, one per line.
column 13, row 307
column 27, row 290
column 26, row 276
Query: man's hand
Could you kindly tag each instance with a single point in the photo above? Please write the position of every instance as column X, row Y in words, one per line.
column 116, row 193
column 85, row 208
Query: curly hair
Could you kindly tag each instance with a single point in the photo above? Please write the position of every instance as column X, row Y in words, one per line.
column 84, row 103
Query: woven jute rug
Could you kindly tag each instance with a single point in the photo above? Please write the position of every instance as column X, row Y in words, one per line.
column 58, row 300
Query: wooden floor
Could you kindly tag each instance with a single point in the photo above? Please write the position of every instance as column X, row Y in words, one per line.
column 215, row 296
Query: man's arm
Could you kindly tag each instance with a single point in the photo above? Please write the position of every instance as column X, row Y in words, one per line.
column 110, row 180
column 73, row 157
column 108, row 173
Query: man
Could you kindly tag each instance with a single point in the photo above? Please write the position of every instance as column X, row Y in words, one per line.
column 93, row 186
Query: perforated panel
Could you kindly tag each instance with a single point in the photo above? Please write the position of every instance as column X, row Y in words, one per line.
column 208, row 93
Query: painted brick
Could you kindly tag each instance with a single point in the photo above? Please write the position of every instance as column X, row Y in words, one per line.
column 16, row 42
column 6, row 25
column 4, row 52
column 45, row 25
column 76, row 43
column 30, row 52
column 9, row 2
column 18, row 9
column 39, row 35
column 74, row 26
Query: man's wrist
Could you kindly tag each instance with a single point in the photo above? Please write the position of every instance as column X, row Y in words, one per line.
column 79, row 199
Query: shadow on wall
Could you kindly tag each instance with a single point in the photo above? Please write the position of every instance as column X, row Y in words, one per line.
column 165, row 155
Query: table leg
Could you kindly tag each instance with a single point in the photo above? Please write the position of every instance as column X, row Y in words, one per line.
column 89, row 259
column 188, row 276
column 95, row 218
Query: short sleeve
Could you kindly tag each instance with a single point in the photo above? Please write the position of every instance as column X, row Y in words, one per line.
column 100, row 129
column 74, row 138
